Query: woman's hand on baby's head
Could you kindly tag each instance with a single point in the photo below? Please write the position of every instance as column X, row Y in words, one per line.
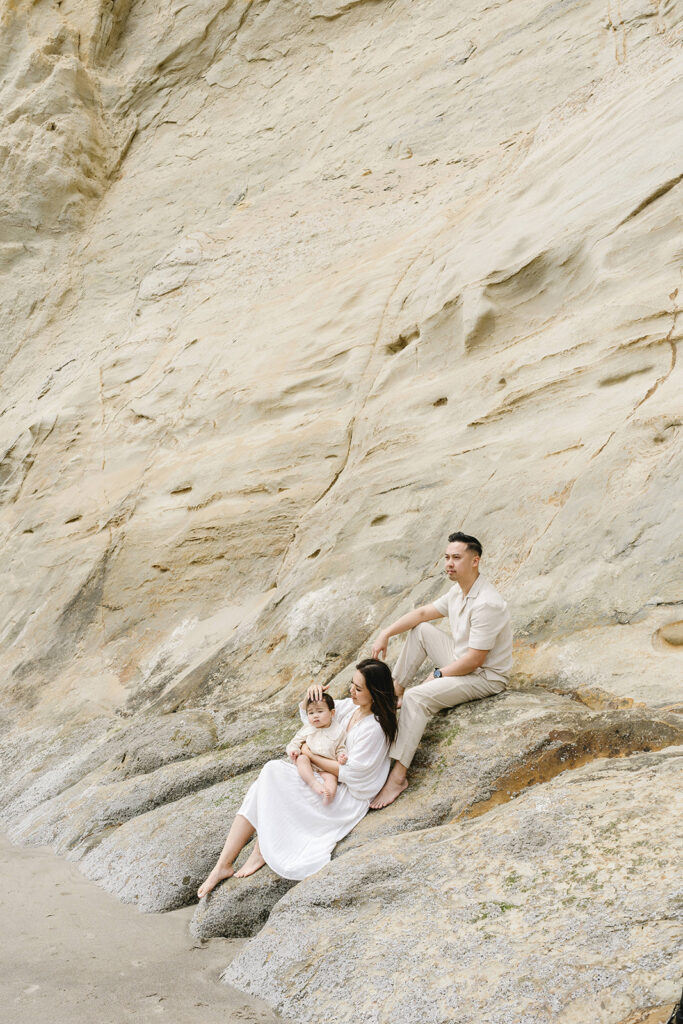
column 316, row 691
column 342, row 758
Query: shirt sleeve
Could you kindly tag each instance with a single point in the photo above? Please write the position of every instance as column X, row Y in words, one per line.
column 365, row 764
column 296, row 740
column 340, row 745
column 486, row 623
column 441, row 603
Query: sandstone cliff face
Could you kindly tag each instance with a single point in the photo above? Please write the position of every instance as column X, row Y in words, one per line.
column 289, row 290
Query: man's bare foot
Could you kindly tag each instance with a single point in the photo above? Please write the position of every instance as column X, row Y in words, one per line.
column 391, row 789
column 252, row 864
column 217, row 875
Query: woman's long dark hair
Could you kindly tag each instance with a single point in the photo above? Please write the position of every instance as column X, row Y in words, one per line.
column 380, row 684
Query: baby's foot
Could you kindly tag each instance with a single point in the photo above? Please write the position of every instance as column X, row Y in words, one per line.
column 318, row 788
column 216, row 876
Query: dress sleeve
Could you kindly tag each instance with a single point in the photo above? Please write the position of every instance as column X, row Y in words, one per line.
column 366, row 769
column 343, row 708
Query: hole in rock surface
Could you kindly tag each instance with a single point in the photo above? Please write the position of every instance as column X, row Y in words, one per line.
column 403, row 340
column 669, row 637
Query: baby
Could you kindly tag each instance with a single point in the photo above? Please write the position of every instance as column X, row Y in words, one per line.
column 323, row 736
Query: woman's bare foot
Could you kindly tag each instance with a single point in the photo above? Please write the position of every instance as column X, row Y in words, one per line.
column 217, row 875
column 252, row 864
column 392, row 788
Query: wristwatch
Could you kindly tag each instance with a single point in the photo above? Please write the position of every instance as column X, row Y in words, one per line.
column 437, row 673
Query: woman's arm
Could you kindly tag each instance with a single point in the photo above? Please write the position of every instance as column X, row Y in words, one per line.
column 326, row 764
column 367, row 762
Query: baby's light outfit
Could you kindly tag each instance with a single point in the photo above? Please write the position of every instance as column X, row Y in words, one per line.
column 327, row 742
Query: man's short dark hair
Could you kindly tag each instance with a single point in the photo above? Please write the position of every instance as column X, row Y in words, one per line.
column 326, row 697
column 464, row 538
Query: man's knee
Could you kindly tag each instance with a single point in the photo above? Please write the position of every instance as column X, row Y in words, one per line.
column 412, row 702
column 408, row 701
column 420, row 635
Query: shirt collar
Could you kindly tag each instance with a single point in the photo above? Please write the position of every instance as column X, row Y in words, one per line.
column 475, row 588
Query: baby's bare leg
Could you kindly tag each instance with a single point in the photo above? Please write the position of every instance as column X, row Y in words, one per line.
column 305, row 770
column 329, row 786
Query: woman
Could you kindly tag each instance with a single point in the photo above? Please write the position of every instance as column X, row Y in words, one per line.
column 296, row 830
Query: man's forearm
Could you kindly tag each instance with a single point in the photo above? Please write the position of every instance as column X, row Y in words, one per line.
column 425, row 613
column 411, row 619
column 465, row 665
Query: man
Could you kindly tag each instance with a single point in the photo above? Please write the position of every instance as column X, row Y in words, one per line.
column 475, row 662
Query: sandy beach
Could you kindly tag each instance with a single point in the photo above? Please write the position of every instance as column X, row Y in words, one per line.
column 71, row 953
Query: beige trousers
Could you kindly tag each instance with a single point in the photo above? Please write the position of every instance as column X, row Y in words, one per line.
column 421, row 702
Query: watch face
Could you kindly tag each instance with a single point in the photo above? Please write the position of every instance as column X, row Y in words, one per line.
column 437, row 673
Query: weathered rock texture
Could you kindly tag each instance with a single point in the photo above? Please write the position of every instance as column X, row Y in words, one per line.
column 564, row 905
column 471, row 760
column 289, row 289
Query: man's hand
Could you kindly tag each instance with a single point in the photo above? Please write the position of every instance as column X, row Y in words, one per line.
column 425, row 613
column 379, row 648
column 342, row 758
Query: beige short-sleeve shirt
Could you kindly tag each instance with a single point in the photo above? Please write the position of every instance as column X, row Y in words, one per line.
column 481, row 620
column 328, row 742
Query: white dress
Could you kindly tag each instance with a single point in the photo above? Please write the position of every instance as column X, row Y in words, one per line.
column 296, row 830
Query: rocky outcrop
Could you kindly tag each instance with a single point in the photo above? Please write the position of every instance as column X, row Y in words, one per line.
column 472, row 759
column 289, row 291
column 564, row 904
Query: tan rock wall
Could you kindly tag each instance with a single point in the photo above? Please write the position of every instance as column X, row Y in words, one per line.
column 289, row 291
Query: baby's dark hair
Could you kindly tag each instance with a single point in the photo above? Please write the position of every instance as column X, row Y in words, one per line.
column 326, row 697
